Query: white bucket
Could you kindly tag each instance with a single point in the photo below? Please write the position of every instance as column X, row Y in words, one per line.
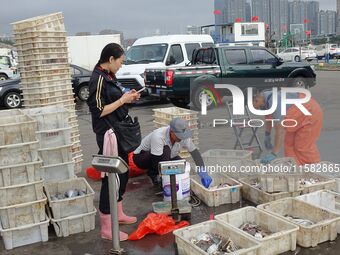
column 182, row 185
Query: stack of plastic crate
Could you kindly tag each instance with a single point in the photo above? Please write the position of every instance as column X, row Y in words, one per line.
column 55, row 147
column 45, row 72
column 163, row 116
column 22, row 202
column 69, row 215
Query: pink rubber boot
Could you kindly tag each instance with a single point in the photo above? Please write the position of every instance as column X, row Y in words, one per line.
column 122, row 218
column 105, row 228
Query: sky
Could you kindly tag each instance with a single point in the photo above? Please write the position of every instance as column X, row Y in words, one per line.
column 136, row 18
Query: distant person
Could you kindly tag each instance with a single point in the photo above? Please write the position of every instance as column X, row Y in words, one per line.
column 107, row 102
column 300, row 141
column 165, row 144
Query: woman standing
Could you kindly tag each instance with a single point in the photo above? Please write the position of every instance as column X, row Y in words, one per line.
column 107, row 103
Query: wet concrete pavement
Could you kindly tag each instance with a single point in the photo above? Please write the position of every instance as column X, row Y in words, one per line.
column 140, row 192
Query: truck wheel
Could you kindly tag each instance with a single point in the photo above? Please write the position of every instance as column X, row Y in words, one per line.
column 182, row 103
column 300, row 82
column 3, row 77
column 83, row 92
column 198, row 95
column 297, row 59
column 12, row 100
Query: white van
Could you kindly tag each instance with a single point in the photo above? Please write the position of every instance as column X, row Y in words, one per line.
column 157, row 52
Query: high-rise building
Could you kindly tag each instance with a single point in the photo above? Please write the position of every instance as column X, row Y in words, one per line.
column 338, row 17
column 297, row 12
column 312, row 17
column 327, row 22
column 230, row 10
column 248, row 12
column 260, row 8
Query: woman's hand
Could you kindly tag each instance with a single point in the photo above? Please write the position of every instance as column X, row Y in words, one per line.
column 129, row 97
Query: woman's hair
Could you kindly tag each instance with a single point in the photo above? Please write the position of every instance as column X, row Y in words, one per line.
column 111, row 50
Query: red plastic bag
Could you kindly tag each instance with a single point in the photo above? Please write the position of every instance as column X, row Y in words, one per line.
column 159, row 224
column 134, row 170
column 93, row 174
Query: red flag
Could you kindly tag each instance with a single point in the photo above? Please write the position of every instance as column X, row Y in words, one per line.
column 308, row 32
column 217, row 12
column 306, row 21
column 255, row 18
column 238, row 20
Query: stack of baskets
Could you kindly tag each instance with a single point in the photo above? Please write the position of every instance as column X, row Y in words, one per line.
column 163, row 116
column 45, row 72
column 22, row 202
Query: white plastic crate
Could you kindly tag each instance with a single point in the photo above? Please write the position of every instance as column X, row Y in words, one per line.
column 323, row 182
column 75, row 138
column 40, row 44
column 329, row 170
column 21, row 41
column 23, row 214
column 19, row 194
column 46, row 78
column 48, row 100
column 278, row 188
column 43, row 22
column 56, row 155
column 46, row 88
column 24, row 235
column 67, row 91
column 46, row 53
column 283, row 237
column 70, row 206
column 324, row 199
column 40, row 34
column 50, row 117
column 43, row 61
column 174, row 112
column 65, row 103
column 43, row 67
column 324, row 229
column 74, row 224
column 248, row 245
column 44, row 73
column 217, row 196
column 15, row 128
column 20, row 153
column 20, row 174
column 78, row 168
column 59, row 172
column 224, row 157
column 191, row 125
column 54, row 137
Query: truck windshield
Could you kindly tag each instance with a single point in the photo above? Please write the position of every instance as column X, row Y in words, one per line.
column 144, row 54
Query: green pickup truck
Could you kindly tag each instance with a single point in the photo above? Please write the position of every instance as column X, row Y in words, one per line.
column 243, row 66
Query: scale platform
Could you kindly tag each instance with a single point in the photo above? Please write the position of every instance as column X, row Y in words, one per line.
column 164, row 207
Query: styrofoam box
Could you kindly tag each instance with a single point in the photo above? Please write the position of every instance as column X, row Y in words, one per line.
column 23, row 193
column 23, row 214
column 259, row 196
column 54, row 137
column 217, row 196
column 59, row 172
column 324, row 199
column 324, row 229
column 56, row 155
column 74, row 224
column 15, row 128
column 19, row 153
column 224, row 157
column 49, row 117
column 70, row 206
column 248, row 245
column 21, row 174
column 24, row 235
column 283, row 237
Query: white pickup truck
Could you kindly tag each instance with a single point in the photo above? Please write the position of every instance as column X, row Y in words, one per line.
column 6, row 72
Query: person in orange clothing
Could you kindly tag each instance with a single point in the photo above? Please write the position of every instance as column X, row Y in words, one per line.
column 299, row 141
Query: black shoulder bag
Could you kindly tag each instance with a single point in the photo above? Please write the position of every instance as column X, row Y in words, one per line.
column 127, row 132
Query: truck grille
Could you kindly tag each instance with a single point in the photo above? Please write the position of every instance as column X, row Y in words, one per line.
column 130, row 83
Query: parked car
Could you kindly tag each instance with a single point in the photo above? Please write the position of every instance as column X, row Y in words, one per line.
column 183, row 85
column 6, row 72
column 323, row 49
column 10, row 93
column 158, row 52
column 294, row 54
column 80, row 82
